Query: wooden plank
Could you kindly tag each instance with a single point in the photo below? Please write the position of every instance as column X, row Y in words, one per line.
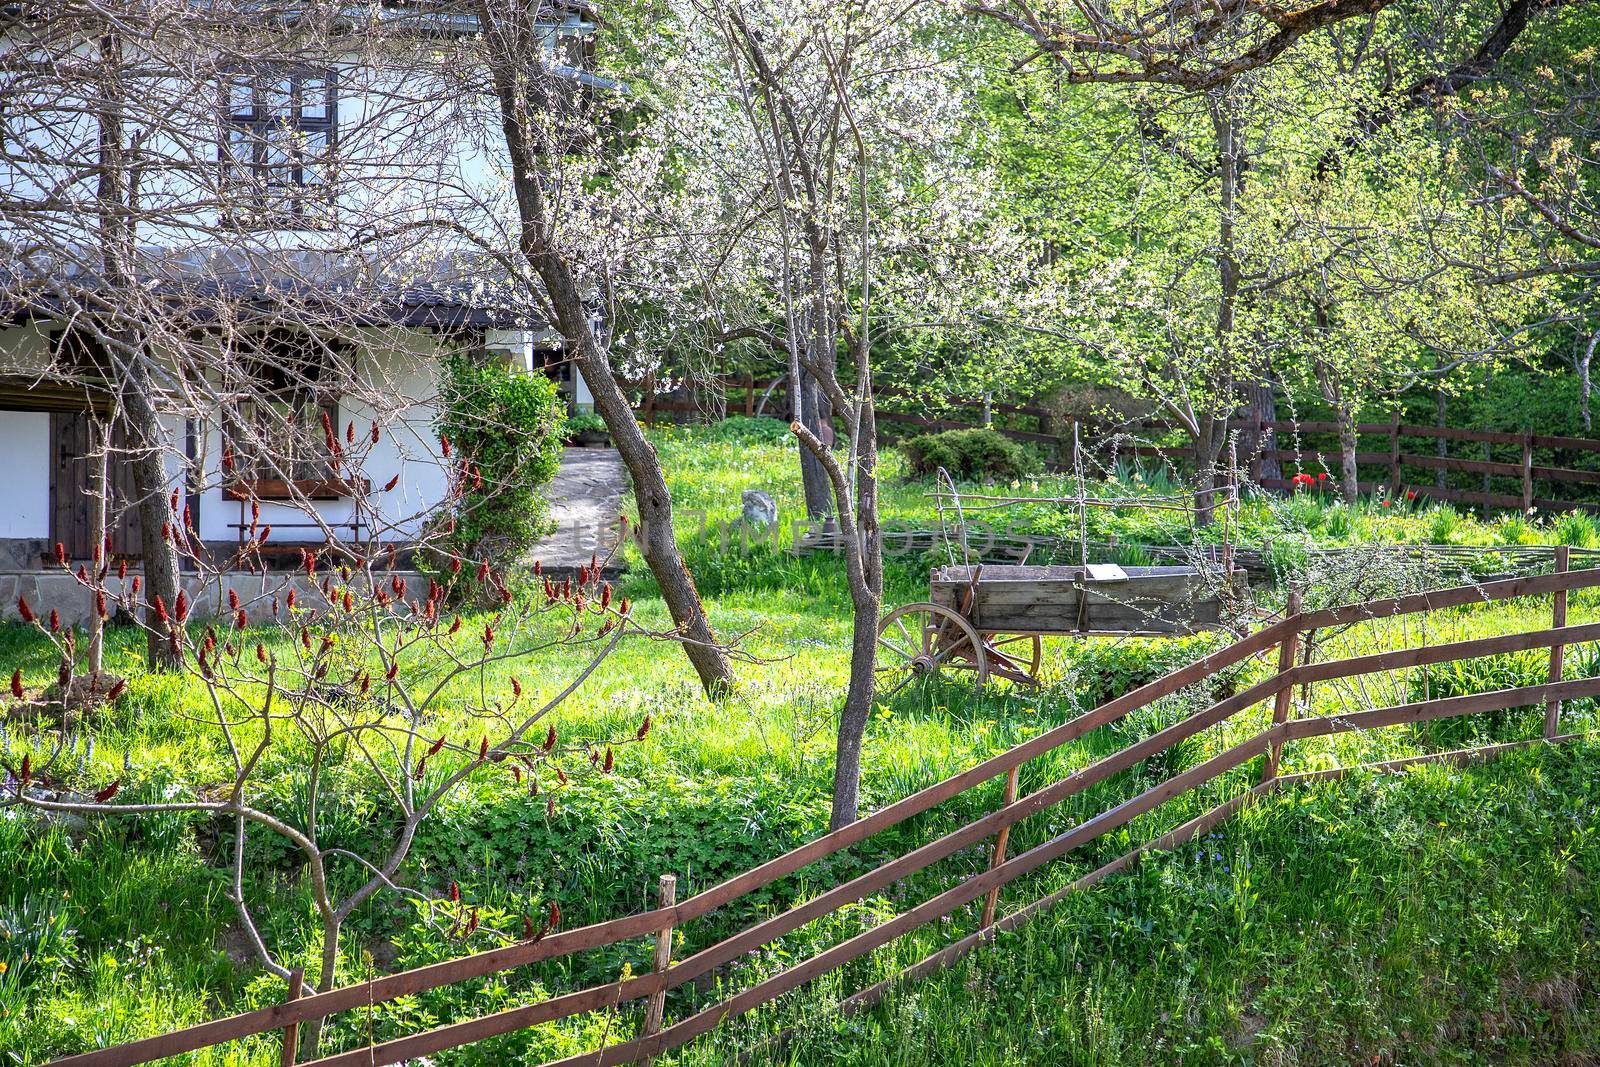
column 1558, row 621
column 1106, row 572
column 1460, row 756
column 1007, row 798
column 1442, row 708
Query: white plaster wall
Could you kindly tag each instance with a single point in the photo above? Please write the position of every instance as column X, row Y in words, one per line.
column 25, row 483
column 407, row 447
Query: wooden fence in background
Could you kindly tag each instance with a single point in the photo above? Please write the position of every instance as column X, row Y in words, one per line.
column 1280, row 641
column 1405, row 467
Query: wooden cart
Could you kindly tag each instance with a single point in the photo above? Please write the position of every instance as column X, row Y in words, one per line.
column 988, row 620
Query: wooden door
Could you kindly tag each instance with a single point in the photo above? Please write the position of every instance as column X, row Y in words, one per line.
column 72, row 483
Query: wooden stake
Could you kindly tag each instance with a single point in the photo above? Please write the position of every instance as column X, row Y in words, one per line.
column 668, row 896
column 1558, row 618
column 291, row 1032
column 1280, row 704
column 999, row 856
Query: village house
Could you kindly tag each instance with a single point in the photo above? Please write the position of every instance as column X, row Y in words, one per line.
column 279, row 304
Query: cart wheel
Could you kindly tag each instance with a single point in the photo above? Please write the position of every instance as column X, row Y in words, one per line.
column 1014, row 656
column 918, row 641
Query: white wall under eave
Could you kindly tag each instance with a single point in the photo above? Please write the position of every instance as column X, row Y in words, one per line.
column 25, row 485
column 408, row 446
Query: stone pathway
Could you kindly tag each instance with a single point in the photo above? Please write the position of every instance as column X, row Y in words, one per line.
column 585, row 500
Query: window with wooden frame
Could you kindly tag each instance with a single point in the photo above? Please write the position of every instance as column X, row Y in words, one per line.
column 279, row 132
column 275, row 430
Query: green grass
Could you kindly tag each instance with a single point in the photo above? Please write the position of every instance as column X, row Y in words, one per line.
column 1445, row 916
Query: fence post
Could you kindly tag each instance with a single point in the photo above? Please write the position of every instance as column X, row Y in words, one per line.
column 999, row 856
column 291, row 1031
column 1394, row 455
column 750, row 393
column 1527, row 471
column 1558, row 618
column 667, row 897
column 1280, row 703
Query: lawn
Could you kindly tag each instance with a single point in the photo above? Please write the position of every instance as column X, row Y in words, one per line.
column 1443, row 916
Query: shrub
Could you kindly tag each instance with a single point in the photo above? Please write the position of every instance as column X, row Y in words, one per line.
column 749, row 428
column 510, row 427
column 971, row 455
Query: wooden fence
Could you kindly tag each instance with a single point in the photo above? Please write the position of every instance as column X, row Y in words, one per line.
column 1405, row 467
column 1283, row 641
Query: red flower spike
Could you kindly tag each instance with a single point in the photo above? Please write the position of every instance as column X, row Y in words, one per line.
column 349, row 603
column 117, row 689
column 182, row 606
column 555, row 909
column 516, row 688
column 516, row 772
column 100, row 603
column 227, row 459
column 16, row 683
column 135, row 586
column 61, row 553
column 422, row 765
column 394, row 669
column 455, row 893
column 350, row 433
column 610, row 760
column 550, row 807
column 27, row 769
column 550, row 739
column 527, row 928
column 538, row 567
column 233, row 599
column 433, row 749
column 172, row 502
column 444, row 445
column 644, row 728
column 366, row 683
column 108, row 792
column 472, row 920
column 605, row 596
column 483, row 571
column 289, row 601
column 375, row 434
column 305, row 640
column 24, row 610
column 122, row 570
column 455, row 565
column 455, row 627
column 483, row 750
column 261, row 653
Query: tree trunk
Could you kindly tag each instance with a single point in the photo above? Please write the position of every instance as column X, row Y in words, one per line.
column 657, row 542
column 1349, row 485
column 510, row 35
column 1584, row 363
column 815, row 413
column 145, row 450
column 866, row 595
column 1261, row 405
column 1213, row 425
column 311, row 1032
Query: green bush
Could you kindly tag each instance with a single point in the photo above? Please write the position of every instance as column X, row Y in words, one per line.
column 510, row 426
column 971, row 455
column 584, row 422
column 756, row 430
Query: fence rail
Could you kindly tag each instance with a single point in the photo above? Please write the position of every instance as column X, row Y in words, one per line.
column 718, row 397
column 1293, row 671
